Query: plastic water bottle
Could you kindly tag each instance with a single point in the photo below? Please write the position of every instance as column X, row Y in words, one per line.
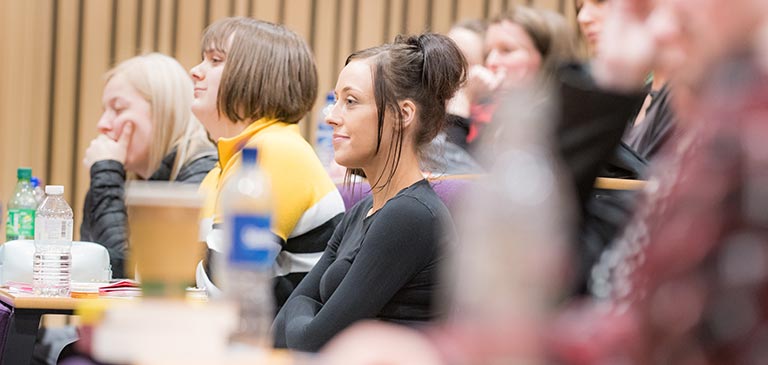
column 53, row 245
column 249, row 252
column 324, row 140
column 39, row 192
column 21, row 208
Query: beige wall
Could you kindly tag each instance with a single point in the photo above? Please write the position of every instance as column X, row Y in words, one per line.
column 56, row 51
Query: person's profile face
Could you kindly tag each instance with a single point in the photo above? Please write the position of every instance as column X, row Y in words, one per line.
column 123, row 104
column 590, row 14
column 354, row 117
column 511, row 50
column 207, row 78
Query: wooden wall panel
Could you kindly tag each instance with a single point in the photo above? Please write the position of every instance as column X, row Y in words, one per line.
column 269, row 10
column 416, row 16
column 190, row 28
column 25, row 71
column 370, row 24
column 396, row 19
column 241, row 7
column 441, row 16
column 469, row 9
column 95, row 45
column 166, row 27
column 126, row 29
column 147, row 22
column 50, row 99
column 217, row 10
column 65, row 80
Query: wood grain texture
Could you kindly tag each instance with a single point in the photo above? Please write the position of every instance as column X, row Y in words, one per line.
column 50, row 97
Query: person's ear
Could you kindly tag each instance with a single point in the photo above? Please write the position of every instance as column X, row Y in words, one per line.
column 407, row 112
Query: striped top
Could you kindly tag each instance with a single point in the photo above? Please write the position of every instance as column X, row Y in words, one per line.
column 307, row 204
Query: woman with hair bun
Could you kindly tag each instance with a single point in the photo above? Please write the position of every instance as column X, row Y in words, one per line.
column 382, row 260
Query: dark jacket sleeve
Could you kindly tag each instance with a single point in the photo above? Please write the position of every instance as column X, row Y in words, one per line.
column 196, row 170
column 397, row 245
column 590, row 126
column 308, row 290
column 104, row 213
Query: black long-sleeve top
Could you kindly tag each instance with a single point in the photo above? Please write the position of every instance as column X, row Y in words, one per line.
column 381, row 266
column 104, row 212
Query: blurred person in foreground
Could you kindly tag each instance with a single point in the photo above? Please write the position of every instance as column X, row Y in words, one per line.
column 688, row 280
column 687, row 283
column 146, row 130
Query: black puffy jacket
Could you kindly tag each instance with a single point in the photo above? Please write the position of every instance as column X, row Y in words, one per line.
column 104, row 212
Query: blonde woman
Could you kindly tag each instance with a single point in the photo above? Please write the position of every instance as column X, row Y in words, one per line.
column 147, row 131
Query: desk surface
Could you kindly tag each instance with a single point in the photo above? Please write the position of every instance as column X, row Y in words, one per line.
column 29, row 301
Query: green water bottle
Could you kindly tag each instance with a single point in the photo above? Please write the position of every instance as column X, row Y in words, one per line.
column 21, row 208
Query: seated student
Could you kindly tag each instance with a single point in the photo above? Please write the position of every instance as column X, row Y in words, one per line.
column 522, row 45
column 147, row 130
column 255, row 83
column 383, row 258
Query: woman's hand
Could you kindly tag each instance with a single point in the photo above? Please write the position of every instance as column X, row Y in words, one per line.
column 482, row 82
column 104, row 148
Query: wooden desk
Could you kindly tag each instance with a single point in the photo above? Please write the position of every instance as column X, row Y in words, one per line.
column 619, row 184
column 25, row 321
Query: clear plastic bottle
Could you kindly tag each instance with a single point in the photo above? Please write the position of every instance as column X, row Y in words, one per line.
column 324, row 138
column 52, row 261
column 21, row 208
column 249, row 251
column 39, row 192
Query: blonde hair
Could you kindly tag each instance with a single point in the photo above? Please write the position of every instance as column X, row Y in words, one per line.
column 168, row 89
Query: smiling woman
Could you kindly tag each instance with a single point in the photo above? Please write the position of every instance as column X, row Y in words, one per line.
column 383, row 257
column 147, row 130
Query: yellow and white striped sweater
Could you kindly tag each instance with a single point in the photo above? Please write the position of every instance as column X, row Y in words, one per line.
column 307, row 204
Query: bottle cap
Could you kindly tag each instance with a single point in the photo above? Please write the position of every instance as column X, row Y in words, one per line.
column 250, row 154
column 54, row 189
column 35, row 181
column 330, row 98
column 24, row 173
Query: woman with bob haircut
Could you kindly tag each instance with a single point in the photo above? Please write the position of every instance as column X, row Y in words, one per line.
column 383, row 258
column 256, row 81
column 147, row 130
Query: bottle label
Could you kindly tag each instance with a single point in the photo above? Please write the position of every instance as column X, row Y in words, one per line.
column 56, row 229
column 253, row 243
column 20, row 224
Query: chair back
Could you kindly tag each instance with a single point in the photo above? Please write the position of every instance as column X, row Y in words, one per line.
column 90, row 262
column 449, row 189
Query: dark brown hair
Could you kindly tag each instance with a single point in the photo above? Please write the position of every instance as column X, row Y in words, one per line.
column 269, row 70
column 426, row 69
